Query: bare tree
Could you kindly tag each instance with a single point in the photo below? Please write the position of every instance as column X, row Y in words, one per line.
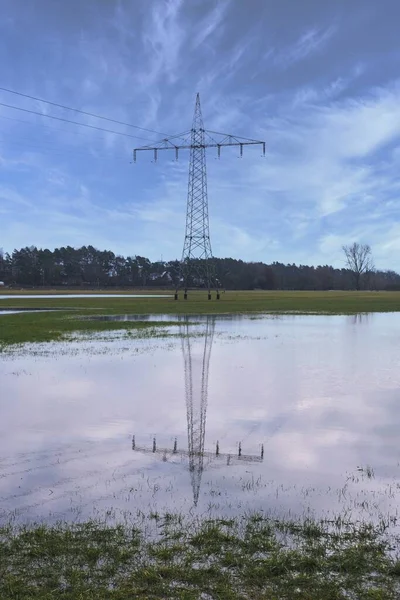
column 359, row 261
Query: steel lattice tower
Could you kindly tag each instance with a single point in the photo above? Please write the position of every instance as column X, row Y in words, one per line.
column 197, row 253
column 197, row 267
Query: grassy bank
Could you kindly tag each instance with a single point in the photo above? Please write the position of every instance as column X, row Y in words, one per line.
column 249, row 558
column 53, row 325
column 230, row 302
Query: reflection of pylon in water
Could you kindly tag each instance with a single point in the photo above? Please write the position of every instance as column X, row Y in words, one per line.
column 196, row 367
column 196, row 352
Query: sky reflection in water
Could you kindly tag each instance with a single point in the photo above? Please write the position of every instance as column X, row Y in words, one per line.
column 321, row 393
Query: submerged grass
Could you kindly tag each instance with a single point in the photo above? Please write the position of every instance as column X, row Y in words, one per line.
column 47, row 327
column 41, row 327
column 252, row 557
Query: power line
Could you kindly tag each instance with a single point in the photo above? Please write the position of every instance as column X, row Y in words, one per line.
column 50, row 127
column 82, row 112
column 27, row 142
column 52, row 150
column 34, row 112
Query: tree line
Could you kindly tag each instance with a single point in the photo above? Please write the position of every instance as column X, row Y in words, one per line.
column 90, row 267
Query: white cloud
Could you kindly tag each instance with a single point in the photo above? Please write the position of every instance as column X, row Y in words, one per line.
column 163, row 39
column 361, row 126
column 310, row 152
column 211, row 24
column 310, row 42
column 10, row 196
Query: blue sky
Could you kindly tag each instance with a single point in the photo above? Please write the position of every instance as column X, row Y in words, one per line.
column 318, row 81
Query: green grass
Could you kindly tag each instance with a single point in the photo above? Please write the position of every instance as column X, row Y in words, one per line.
column 47, row 327
column 53, row 326
column 244, row 558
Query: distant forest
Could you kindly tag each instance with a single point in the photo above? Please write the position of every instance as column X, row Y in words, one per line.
column 88, row 267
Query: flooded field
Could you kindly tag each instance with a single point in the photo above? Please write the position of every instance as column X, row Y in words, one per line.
column 284, row 415
column 48, row 296
column 22, row 310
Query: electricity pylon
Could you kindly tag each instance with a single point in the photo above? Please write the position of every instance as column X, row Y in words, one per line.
column 196, row 353
column 197, row 266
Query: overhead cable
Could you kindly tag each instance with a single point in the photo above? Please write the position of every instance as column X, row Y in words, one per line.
column 82, row 112
column 34, row 112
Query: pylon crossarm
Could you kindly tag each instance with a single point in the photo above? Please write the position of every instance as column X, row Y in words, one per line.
column 197, row 146
column 210, row 141
column 168, row 143
column 235, row 137
column 228, row 139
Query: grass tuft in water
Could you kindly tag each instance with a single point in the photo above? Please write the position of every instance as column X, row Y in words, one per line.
column 238, row 559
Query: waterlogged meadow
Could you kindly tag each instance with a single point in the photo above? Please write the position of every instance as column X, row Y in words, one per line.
column 240, row 457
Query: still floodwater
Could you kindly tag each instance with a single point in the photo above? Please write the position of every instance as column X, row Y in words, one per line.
column 322, row 394
column 4, row 312
column 47, row 296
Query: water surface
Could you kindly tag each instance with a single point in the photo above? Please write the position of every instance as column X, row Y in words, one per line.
column 47, row 296
column 23, row 310
column 322, row 394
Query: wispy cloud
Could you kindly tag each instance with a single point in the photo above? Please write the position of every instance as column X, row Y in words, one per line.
column 8, row 196
column 310, row 42
column 314, row 95
column 162, row 40
column 211, row 24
